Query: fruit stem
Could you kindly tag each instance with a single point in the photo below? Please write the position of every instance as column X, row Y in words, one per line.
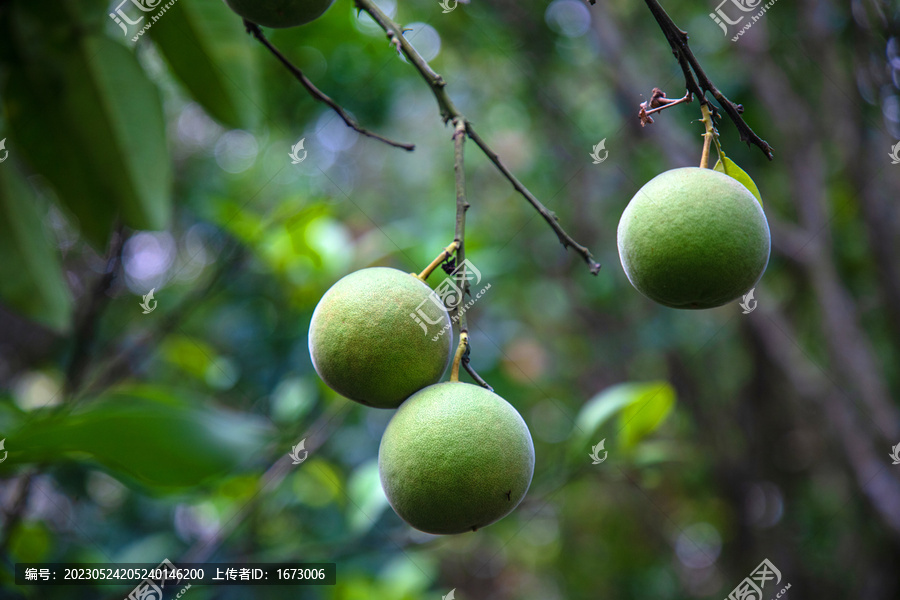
column 711, row 135
column 447, row 253
column 460, row 350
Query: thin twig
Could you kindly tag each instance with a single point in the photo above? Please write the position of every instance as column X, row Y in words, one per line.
column 458, row 310
column 678, row 40
column 449, row 112
column 254, row 30
column 85, row 330
column 462, row 282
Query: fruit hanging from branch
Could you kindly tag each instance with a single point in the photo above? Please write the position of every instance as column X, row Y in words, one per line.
column 366, row 344
column 696, row 237
column 693, row 238
column 455, row 458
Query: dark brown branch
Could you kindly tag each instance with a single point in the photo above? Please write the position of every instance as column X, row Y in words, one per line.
column 678, row 40
column 254, row 30
column 449, row 112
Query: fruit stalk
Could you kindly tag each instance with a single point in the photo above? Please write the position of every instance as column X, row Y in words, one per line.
column 447, row 253
column 317, row 94
column 449, row 112
column 460, row 351
column 711, row 135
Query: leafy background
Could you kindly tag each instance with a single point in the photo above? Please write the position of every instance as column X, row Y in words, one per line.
column 163, row 165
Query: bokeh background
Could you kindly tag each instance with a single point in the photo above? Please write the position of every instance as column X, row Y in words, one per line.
column 163, row 165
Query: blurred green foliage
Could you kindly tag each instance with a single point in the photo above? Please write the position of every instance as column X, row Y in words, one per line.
column 178, row 146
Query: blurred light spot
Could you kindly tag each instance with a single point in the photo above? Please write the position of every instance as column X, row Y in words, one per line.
column 222, row 373
column 425, row 39
column 198, row 522
column 549, row 422
column 365, row 23
column 292, row 399
column 331, row 239
column 236, row 151
column 698, row 546
column 37, row 390
column 893, row 52
column 568, row 18
column 525, row 360
column 105, row 490
column 147, row 258
column 195, row 129
column 891, row 108
column 196, row 254
column 515, row 148
column 765, row 504
column 333, row 133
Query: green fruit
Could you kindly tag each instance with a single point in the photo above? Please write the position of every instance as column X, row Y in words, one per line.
column 279, row 13
column 455, row 457
column 693, row 238
column 369, row 341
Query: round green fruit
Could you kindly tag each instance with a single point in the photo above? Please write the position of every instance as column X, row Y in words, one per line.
column 279, row 13
column 379, row 335
column 455, row 457
column 694, row 238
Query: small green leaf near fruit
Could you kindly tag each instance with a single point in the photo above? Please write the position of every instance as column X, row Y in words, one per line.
column 730, row 168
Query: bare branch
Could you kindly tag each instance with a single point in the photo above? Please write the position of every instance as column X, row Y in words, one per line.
column 678, row 40
column 254, row 30
column 449, row 112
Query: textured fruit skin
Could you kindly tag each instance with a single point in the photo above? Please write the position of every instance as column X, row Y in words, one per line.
column 694, row 238
column 365, row 345
column 455, row 457
column 279, row 13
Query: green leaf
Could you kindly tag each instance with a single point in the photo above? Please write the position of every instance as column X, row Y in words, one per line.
column 86, row 116
column 649, row 409
column 642, row 407
column 31, row 277
column 730, row 168
column 208, row 50
column 145, row 435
